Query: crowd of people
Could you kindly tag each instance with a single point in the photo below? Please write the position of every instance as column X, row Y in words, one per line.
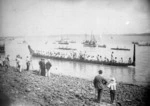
column 45, row 66
column 4, row 61
column 83, row 56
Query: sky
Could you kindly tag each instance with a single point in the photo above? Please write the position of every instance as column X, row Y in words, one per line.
column 55, row 17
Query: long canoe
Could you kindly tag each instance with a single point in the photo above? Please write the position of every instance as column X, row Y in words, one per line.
column 124, row 49
column 33, row 54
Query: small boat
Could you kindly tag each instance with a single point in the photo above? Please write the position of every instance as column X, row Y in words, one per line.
column 33, row 54
column 89, row 44
column 63, row 41
column 143, row 44
column 135, row 42
column 124, row 49
column 72, row 41
column 100, row 43
column 102, row 46
column 65, row 48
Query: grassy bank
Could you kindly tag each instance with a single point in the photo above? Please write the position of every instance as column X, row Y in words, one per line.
column 31, row 89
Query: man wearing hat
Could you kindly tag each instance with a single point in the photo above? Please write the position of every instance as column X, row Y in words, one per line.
column 99, row 83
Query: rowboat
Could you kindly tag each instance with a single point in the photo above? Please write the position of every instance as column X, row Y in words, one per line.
column 33, row 54
column 102, row 46
column 65, row 48
column 125, row 49
column 144, row 44
column 63, row 41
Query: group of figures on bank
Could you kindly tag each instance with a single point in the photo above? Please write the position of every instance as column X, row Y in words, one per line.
column 99, row 84
column 4, row 61
column 45, row 66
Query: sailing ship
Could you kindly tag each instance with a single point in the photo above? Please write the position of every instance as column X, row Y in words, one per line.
column 63, row 41
column 101, row 45
column 90, row 43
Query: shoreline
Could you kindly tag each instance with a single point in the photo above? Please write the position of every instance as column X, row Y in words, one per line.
column 36, row 90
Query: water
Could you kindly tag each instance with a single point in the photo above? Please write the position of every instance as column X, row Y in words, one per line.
column 137, row 75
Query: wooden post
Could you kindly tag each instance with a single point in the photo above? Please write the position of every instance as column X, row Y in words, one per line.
column 134, row 55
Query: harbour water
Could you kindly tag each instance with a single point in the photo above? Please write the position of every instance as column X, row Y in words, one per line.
column 140, row 74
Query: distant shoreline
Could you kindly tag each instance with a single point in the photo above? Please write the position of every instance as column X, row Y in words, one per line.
column 53, row 35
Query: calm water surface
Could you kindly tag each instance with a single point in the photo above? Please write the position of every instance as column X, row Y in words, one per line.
column 140, row 74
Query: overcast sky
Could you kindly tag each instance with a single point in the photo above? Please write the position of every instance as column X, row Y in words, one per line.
column 47, row 17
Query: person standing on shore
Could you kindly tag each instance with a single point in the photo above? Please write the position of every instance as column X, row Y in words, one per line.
column 1, row 61
column 99, row 83
column 40, row 62
column 28, row 63
column 8, row 60
column 42, row 67
column 19, row 62
column 48, row 66
column 112, row 87
column 6, row 63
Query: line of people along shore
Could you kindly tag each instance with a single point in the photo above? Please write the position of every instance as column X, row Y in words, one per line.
column 99, row 82
column 84, row 56
column 44, row 66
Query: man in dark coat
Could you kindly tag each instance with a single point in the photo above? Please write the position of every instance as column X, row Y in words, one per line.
column 99, row 83
column 42, row 67
column 48, row 66
column 28, row 63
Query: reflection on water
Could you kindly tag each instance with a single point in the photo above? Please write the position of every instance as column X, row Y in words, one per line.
column 88, row 71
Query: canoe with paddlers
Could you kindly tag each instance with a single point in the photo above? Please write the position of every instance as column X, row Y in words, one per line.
column 83, row 60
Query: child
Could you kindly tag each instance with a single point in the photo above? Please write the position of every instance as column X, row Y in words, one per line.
column 112, row 87
column 19, row 62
